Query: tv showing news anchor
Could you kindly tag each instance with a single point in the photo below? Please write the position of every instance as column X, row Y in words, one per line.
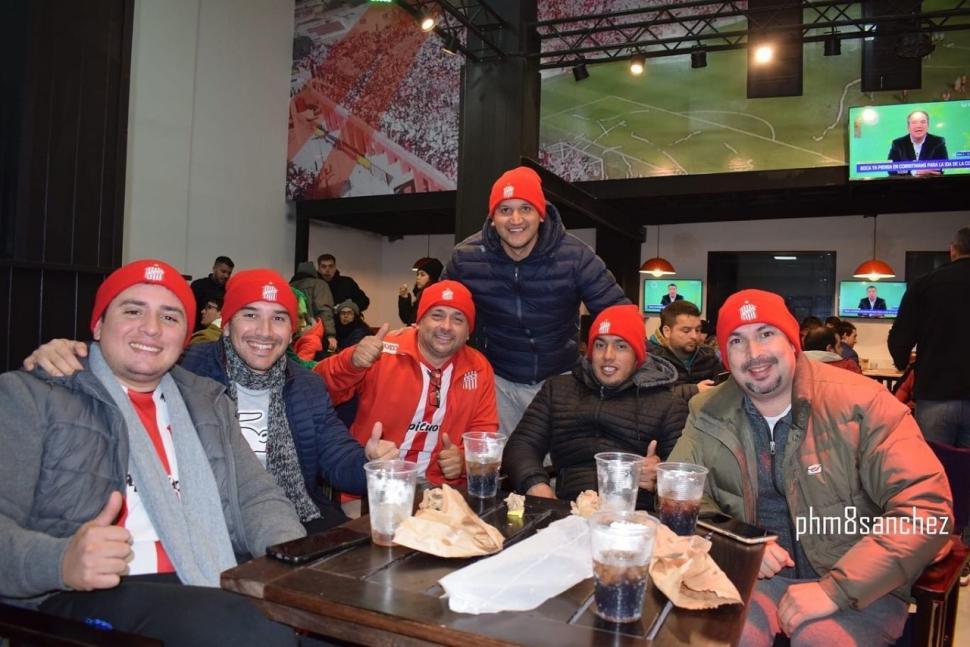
column 909, row 140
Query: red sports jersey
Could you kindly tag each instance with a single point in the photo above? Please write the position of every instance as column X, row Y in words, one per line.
column 416, row 403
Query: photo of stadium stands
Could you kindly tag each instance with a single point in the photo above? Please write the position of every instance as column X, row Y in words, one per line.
column 385, row 118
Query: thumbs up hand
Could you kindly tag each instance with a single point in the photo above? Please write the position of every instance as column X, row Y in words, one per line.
column 369, row 349
column 450, row 458
column 98, row 553
column 648, row 473
column 378, row 449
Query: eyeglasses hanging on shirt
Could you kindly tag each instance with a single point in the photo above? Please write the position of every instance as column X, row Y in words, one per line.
column 434, row 392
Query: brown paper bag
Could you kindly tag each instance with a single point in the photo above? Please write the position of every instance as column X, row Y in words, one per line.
column 445, row 526
column 687, row 575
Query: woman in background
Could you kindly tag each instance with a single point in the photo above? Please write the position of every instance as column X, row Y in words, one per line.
column 428, row 272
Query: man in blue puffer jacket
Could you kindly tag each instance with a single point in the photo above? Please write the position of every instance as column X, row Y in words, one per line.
column 528, row 277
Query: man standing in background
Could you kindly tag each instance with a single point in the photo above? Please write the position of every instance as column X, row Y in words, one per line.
column 212, row 286
column 931, row 307
column 528, row 277
column 342, row 287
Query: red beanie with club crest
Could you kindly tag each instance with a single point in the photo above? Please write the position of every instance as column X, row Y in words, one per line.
column 520, row 183
column 624, row 321
column 250, row 286
column 755, row 306
column 448, row 293
column 151, row 272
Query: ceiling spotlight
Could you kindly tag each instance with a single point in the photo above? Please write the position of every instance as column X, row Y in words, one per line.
column 427, row 22
column 833, row 45
column 580, row 73
column 698, row 58
column 450, row 45
column 763, row 54
column 637, row 64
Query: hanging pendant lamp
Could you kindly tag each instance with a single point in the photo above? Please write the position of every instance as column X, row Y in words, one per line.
column 874, row 269
column 658, row 265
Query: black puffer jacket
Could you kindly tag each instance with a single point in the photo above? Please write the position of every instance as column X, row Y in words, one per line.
column 528, row 311
column 573, row 417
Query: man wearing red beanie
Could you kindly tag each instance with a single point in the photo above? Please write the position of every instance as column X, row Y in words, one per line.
column 128, row 487
column 618, row 399
column 528, row 277
column 790, row 441
column 423, row 384
column 284, row 410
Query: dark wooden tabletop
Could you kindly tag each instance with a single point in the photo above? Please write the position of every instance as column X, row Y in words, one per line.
column 382, row 596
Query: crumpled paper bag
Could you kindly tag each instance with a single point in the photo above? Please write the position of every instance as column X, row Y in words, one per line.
column 684, row 571
column 526, row 574
column 445, row 526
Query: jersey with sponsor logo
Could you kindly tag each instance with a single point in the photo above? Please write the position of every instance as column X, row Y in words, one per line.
column 149, row 554
column 416, row 403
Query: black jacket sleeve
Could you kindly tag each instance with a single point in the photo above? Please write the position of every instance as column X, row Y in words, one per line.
column 673, row 425
column 406, row 310
column 902, row 336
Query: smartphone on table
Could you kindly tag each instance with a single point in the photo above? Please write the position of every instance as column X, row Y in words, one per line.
column 306, row 549
column 734, row 528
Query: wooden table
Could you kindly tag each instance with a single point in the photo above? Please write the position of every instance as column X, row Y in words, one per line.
column 390, row 596
column 888, row 376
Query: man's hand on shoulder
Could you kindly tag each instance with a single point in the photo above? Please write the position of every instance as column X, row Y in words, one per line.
column 59, row 357
column 704, row 385
column 804, row 602
column 369, row 349
column 98, row 553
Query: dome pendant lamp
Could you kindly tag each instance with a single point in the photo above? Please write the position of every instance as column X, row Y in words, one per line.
column 874, row 269
column 658, row 265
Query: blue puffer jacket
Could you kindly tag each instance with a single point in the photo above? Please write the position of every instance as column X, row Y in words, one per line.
column 323, row 445
column 527, row 321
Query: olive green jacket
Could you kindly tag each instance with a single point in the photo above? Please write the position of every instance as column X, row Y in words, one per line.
column 851, row 445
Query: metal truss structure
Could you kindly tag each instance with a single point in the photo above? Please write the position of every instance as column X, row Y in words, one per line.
column 456, row 20
column 672, row 27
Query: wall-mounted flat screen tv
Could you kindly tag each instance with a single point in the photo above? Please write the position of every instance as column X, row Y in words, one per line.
column 870, row 299
column 657, row 293
column 909, row 140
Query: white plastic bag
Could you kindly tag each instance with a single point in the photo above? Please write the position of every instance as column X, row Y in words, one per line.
column 525, row 575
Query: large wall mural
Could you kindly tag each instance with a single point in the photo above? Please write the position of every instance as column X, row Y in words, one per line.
column 374, row 107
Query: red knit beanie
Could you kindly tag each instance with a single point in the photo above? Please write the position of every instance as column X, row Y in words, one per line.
column 755, row 306
column 448, row 293
column 250, row 286
column 522, row 183
column 625, row 322
column 152, row 272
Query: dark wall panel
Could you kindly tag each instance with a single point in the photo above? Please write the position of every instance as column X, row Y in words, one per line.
column 62, row 151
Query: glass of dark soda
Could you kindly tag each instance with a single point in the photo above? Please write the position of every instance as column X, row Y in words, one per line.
column 622, row 543
column 680, row 487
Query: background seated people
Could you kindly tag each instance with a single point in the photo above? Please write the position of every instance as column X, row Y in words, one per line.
column 350, row 327
column 319, row 299
column 342, row 287
column 617, row 399
column 822, row 345
column 848, row 337
column 788, row 440
column 283, row 409
column 131, row 488
column 832, row 322
column 808, row 324
column 679, row 340
column 424, row 384
column 428, row 271
column 211, row 321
